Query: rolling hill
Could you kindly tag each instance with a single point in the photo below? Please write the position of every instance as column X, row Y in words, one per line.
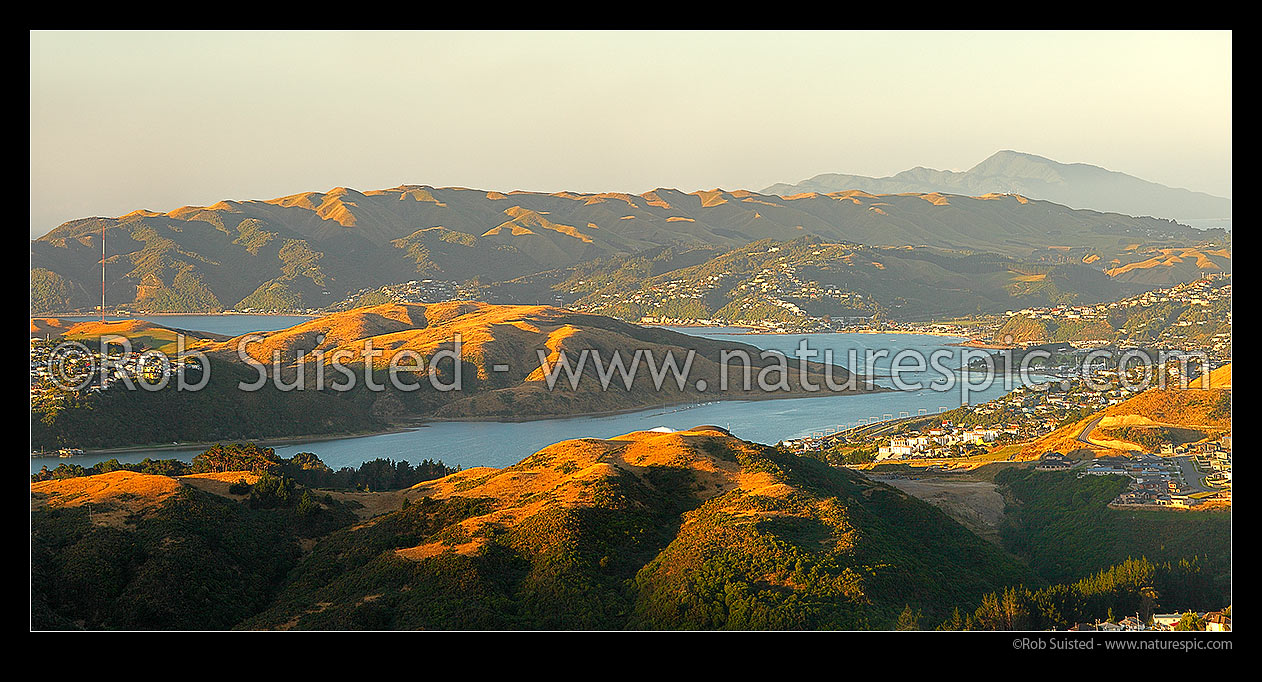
column 307, row 251
column 1160, row 266
column 692, row 529
column 500, row 376
column 142, row 334
column 650, row 530
column 790, row 280
column 140, row 551
column 1078, row 185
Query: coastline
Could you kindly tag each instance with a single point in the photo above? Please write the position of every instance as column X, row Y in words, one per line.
column 225, row 313
column 192, row 445
column 985, row 345
column 770, row 332
column 422, row 422
column 904, row 331
column 745, row 328
column 418, row 421
column 752, row 397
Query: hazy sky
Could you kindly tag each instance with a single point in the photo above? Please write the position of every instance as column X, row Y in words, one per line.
column 121, row 121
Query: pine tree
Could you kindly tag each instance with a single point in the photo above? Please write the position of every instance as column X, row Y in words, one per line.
column 955, row 622
column 909, row 620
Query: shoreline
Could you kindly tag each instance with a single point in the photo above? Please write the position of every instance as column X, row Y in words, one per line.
column 776, row 395
column 770, row 332
column 984, row 345
column 904, row 331
column 747, row 329
column 422, row 422
column 417, row 422
column 193, row 445
column 226, row 313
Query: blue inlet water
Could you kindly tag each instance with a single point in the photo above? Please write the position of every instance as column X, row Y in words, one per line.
column 498, row 444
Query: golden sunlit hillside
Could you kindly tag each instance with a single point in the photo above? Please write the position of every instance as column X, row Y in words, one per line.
column 500, row 346
column 143, row 334
column 501, row 374
column 1162, row 265
column 116, row 497
column 567, row 473
column 615, row 532
column 1187, row 415
column 312, row 249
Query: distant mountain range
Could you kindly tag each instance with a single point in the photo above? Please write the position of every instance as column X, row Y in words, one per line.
column 1077, row 185
column 310, row 250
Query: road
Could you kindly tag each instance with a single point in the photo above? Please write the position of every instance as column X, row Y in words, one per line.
column 1187, row 466
column 1191, row 477
column 1085, row 435
column 877, row 428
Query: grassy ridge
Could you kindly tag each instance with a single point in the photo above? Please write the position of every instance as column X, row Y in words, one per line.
column 687, row 530
column 802, row 546
column 241, row 254
column 509, row 336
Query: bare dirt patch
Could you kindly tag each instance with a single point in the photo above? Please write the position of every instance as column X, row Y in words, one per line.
column 368, row 505
column 977, row 505
column 218, row 483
